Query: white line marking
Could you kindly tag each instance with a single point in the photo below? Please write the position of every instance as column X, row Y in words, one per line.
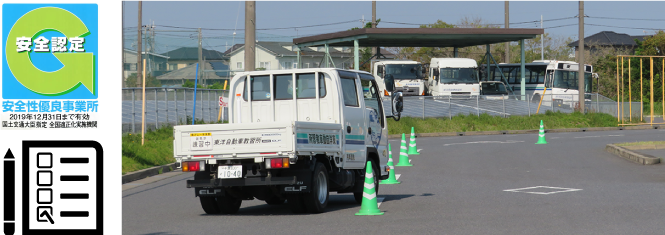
column 409, row 160
column 488, row 142
column 594, row 136
column 418, row 150
column 554, row 137
column 379, row 200
column 614, row 135
column 397, row 176
column 562, row 190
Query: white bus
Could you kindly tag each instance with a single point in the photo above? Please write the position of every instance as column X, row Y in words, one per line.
column 560, row 77
column 407, row 75
column 453, row 76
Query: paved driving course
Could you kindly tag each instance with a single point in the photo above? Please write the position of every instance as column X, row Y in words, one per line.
column 456, row 186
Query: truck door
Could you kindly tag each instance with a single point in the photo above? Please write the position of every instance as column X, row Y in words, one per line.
column 377, row 134
column 354, row 121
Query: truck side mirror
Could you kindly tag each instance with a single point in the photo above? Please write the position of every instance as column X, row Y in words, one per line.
column 397, row 105
column 390, row 82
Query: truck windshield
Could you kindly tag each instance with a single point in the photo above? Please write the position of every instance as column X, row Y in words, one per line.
column 492, row 88
column 568, row 80
column 404, row 71
column 458, row 75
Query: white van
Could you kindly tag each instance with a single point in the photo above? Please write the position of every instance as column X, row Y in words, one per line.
column 453, row 76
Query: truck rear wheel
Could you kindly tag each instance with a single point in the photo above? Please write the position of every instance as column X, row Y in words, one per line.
column 375, row 169
column 275, row 201
column 228, row 204
column 296, row 203
column 317, row 199
column 209, row 204
column 216, row 205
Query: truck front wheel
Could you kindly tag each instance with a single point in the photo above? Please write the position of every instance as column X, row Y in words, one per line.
column 317, row 200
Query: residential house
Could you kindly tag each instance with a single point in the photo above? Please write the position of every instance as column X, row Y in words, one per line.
column 606, row 39
column 212, row 72
column 153, row 62
column 185, row 56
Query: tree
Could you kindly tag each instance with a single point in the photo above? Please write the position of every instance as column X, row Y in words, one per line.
column 150, row 81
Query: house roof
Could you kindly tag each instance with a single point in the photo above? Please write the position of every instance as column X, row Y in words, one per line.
column 189, row 72
column 278, row 49
column 145, row 52
column 610, row 38
column 192, row 53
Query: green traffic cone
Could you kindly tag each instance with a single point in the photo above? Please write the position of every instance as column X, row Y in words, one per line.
column 391, row 179
column 541, row 134
column 403, row 156
column 412, row 144
column 369, row 205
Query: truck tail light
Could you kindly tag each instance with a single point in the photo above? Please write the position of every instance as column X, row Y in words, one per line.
column 276, row 163
column 193, row 166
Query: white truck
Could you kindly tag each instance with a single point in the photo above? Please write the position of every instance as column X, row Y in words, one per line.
column 408, row 76
column 301, row 134
column 453, row 76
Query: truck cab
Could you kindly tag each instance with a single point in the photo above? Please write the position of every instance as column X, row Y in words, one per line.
column 407, row 75
column 453, row 76
column 293, row 135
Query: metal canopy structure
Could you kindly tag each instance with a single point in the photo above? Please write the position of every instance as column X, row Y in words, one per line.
column 418, row 37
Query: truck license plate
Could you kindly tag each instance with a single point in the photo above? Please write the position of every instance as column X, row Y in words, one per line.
column 229, row 172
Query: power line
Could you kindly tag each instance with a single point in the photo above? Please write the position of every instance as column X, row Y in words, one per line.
column 613, row 26
column 616, row 18
column 513, row 23
column 561, row 26
column 294, row 27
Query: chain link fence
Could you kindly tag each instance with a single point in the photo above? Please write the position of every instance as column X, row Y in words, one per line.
column 505, row 106
column 169, row 106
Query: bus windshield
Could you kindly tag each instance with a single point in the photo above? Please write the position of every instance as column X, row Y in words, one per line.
column 458, row 75
column 404, row 71
column 568, row 80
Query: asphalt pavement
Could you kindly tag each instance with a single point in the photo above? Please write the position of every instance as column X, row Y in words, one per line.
column 495, row 184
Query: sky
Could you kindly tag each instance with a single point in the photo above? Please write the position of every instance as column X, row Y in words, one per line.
column 633, row 18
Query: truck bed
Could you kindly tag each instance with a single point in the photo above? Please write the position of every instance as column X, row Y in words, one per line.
column 251, row 140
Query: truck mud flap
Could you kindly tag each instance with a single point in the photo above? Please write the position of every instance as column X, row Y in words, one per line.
column 258, row 181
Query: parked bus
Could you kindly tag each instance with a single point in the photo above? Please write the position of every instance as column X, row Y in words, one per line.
column 560, row 77
column 407, row 75
column 453, row 76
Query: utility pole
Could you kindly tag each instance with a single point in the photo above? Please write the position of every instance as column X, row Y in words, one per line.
column 250, row 35
column 139, row 80
column 200, row 58
column 542, row 40
column 375, row 49
column 507, row 16
column 580, row 75
column 122, row 78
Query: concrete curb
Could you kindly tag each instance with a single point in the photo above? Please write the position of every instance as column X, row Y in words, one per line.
column 137, row 175
column 583, row 129
column 639, row 158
